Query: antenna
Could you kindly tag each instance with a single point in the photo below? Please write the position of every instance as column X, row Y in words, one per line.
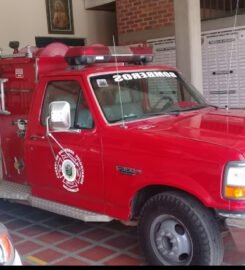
column 231, row 55
column 119, row 87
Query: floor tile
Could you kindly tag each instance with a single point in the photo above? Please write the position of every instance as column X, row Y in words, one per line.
column 44, row 238
column 76, row 227
column 39, row 216
column 97, row 253
column 58, row 221
column 98, row 234
column 48, row 255
column 136, row 251
column 118, row 226
column 33, row 230
column 72, row 261
column 18, row 224
column 52, row 237
column 16, row 239
column 6, row 218
column 123, row 260
column 26, row 247
column 73, row 245
column 121, row 242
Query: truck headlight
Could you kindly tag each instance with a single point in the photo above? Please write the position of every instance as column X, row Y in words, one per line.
column 7, row 251
column 234, row 181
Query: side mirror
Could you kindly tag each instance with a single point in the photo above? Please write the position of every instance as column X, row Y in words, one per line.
column 60, row 116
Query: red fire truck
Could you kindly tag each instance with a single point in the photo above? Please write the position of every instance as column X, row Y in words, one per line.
column 98, row 134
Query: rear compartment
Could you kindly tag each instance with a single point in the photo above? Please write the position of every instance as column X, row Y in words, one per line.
column 19, row 73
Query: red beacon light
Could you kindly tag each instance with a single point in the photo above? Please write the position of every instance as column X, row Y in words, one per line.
column 102, row 54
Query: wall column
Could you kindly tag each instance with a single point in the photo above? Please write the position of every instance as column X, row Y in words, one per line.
column 188, row 40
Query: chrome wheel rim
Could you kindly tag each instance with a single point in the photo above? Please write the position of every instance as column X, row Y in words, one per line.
column 171, row 241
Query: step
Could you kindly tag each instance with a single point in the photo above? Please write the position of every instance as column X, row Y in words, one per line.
column 14, row 191
column 18, row 192
column 68, row 211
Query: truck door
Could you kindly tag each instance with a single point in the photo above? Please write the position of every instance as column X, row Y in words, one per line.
column 68, row 168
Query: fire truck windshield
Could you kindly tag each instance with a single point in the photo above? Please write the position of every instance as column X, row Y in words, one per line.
column 138, row 95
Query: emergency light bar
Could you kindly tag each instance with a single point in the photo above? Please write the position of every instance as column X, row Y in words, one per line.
column 103, row 54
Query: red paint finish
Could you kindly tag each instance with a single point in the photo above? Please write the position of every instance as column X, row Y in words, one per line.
column 173, row 152
column 187, row 150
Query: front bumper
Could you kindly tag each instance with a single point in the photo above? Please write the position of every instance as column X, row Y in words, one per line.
column 235, row 222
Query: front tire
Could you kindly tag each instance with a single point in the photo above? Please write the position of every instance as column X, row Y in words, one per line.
column 175, row 229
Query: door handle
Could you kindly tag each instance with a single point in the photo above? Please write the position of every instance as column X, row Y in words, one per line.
column 37, row 137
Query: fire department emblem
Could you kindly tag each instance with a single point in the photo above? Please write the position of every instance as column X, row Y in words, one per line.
column 69, row 169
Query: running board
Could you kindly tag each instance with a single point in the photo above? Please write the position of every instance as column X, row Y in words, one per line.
column 18, row 192
column 14, row 191
column 68, row 211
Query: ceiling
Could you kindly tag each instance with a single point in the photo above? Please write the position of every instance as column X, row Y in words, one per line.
column 106, row 7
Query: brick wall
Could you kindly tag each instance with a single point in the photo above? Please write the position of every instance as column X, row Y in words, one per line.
column 140, row 15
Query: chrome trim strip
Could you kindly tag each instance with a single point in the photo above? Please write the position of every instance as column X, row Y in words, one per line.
column 232, row 215
column 3, row 111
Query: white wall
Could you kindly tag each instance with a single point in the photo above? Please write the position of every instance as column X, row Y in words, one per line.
column 22, row 20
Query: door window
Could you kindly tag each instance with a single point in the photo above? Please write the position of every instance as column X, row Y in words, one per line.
column 71, row 92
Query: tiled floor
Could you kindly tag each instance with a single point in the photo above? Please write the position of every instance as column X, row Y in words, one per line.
column 44, row 238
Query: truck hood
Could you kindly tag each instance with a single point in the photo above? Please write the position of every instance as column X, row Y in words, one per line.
column 220, row 127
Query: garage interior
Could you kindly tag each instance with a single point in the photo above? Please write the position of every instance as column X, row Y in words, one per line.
column 190, row 34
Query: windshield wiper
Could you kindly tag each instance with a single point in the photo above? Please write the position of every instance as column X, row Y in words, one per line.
column 201, row 107
column 212, row 106
column 175, row 112
column 193, row 108
column 127, row 117
column 143, row 116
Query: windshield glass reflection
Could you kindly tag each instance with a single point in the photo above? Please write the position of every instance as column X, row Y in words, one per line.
column 139, row 95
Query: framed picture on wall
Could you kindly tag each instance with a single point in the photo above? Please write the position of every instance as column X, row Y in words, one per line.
column 60, row 16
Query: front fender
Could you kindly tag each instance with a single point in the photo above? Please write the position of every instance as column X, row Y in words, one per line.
column 185, row 184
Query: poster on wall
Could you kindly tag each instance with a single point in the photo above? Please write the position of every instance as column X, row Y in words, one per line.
column 59, row 16
column 164, row 51
column 223, row 61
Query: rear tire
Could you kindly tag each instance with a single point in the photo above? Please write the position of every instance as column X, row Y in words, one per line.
column 175, row 229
